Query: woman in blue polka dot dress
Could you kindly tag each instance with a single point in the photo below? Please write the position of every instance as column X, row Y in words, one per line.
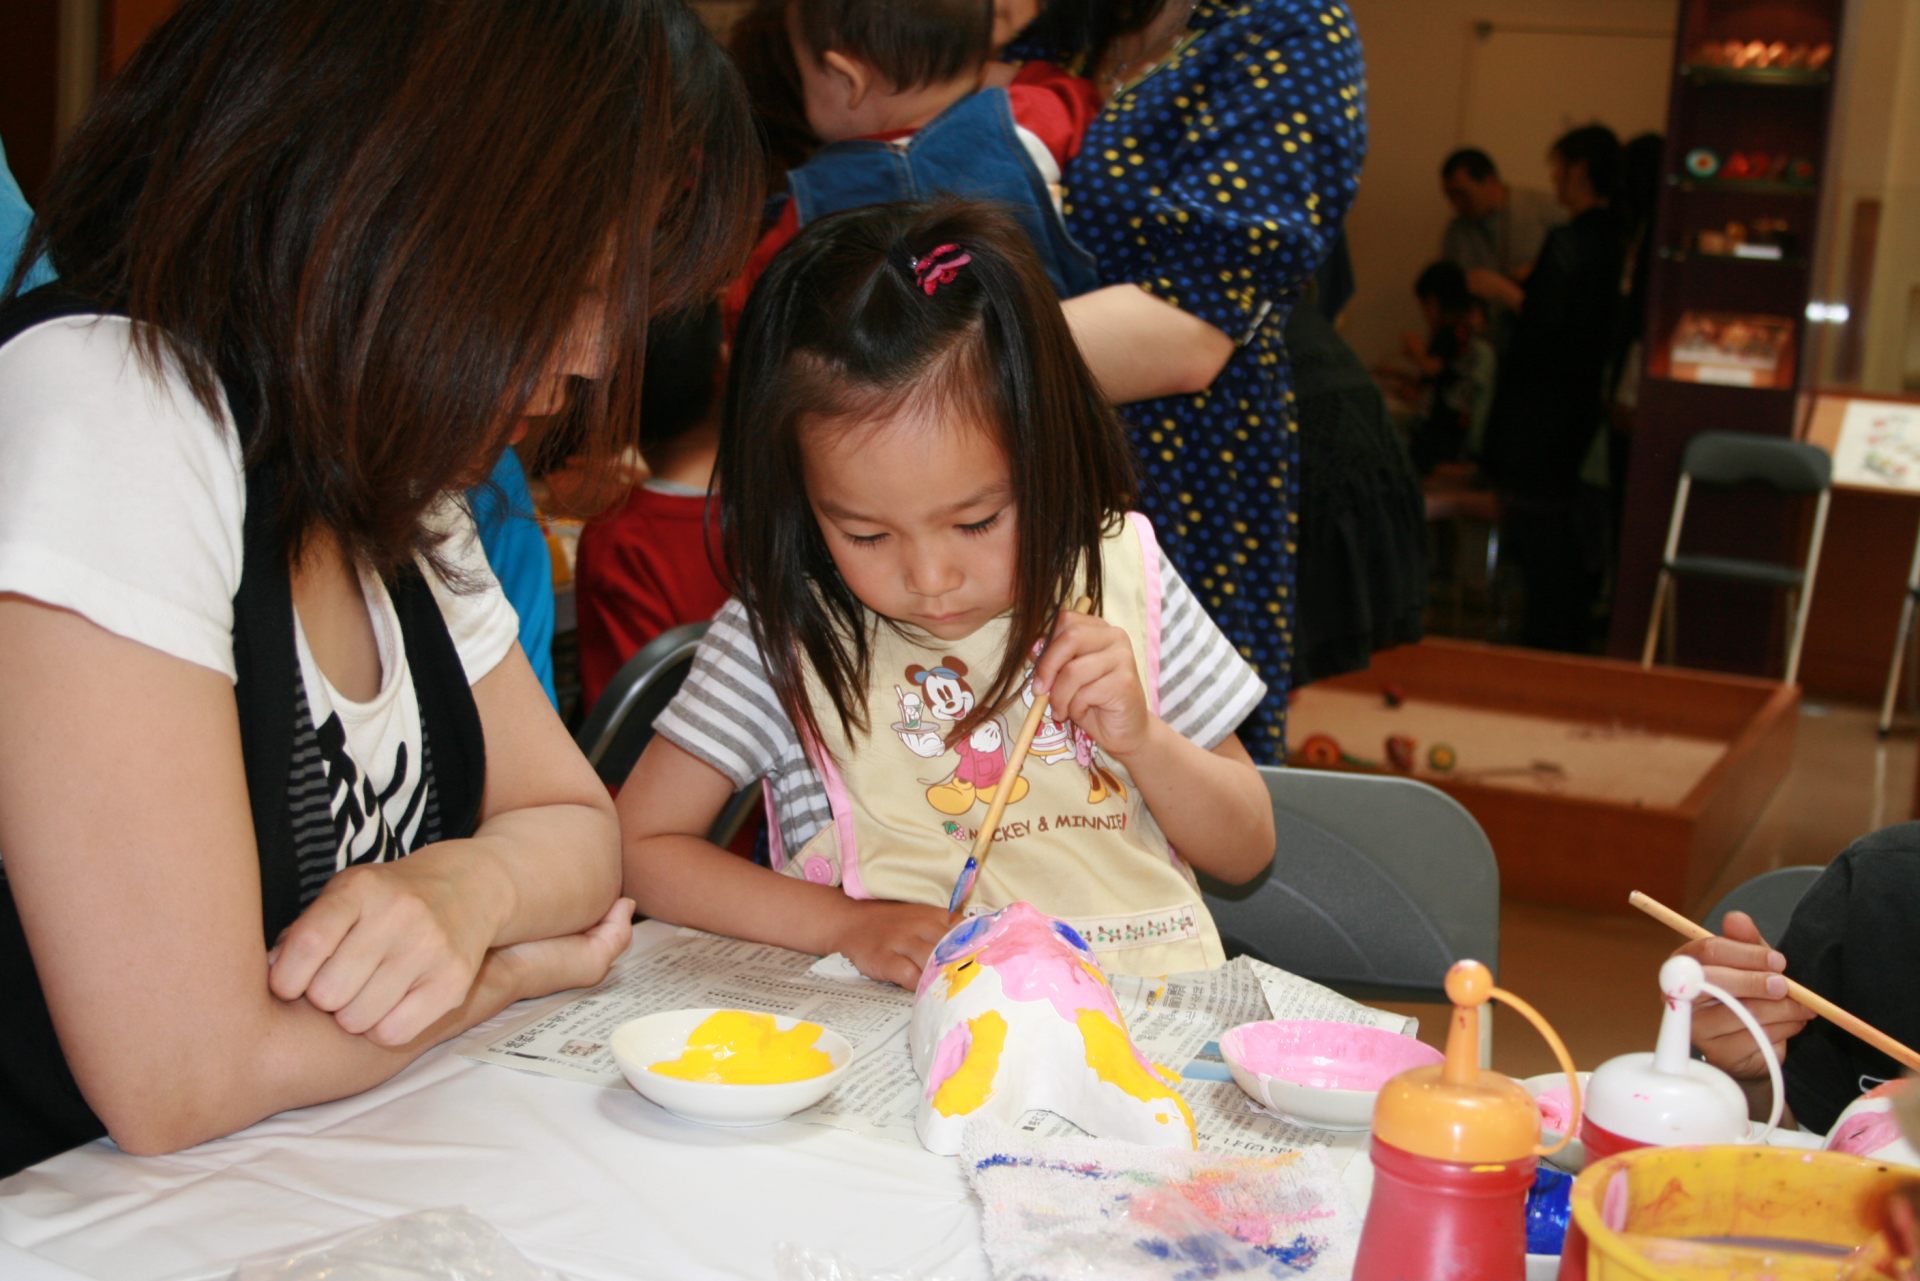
column 1215, row 181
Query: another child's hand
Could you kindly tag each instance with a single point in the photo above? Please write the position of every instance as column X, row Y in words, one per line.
column 1088, row 670
column 891, row 941
column 1741, row 962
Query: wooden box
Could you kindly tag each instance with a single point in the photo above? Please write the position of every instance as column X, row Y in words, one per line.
column 1591, row 777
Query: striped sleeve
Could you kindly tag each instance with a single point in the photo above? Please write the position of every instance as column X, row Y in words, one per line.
column 726, row 713
column 1206, row 688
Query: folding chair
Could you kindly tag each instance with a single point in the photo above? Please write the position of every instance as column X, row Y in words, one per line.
column 1768, row 898
column 1377, row 886
column 1900, row 640
column 620, row 725
column 1724, row 459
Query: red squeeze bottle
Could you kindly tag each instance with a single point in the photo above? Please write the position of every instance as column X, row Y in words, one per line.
column 1454, row 1150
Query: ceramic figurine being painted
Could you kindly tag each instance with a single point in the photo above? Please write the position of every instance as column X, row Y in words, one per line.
column 1014, row 1013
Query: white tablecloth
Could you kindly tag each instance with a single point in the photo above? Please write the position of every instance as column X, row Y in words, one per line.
column 597, row 1184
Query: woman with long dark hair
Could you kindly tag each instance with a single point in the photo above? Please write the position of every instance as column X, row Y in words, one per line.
column 316, row 261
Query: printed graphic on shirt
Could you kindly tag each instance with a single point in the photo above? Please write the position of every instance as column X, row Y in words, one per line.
column 934, row 700
column 369, row 826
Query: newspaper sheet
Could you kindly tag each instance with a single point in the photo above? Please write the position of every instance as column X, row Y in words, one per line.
column 1175, row 1022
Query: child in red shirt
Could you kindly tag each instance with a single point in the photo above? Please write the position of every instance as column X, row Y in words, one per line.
column 649, row 564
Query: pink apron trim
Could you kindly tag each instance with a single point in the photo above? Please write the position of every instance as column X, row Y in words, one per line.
column 776, row 847
column 841, row 802
column 1150, row 562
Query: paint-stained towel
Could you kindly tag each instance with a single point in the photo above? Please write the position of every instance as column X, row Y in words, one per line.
column 1065, row 1209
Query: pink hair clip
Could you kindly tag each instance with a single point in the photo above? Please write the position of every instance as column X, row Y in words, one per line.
column 938, row 267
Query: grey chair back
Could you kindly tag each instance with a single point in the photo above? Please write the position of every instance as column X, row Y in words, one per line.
column 620, row 723
column 1738, row 458
column 1768, row 898
column 1378, row 884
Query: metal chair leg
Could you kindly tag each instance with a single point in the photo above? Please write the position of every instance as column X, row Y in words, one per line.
column 1661, row 586
column 1900, row 639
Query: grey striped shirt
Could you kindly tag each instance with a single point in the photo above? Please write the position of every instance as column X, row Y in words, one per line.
column 727, row 715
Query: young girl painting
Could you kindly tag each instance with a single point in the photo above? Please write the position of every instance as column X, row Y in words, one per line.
column 917, row 475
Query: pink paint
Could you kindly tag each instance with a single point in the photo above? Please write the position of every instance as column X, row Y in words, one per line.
column 1556, row 1109
column 1036, row 964
column 1326, row 1056
column 952, row 1052
column 1613, row 1206
column 1864, row 1133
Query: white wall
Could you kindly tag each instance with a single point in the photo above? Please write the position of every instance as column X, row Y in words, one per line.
column 1420, row 55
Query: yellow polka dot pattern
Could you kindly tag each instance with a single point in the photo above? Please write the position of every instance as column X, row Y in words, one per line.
column 1217, row 183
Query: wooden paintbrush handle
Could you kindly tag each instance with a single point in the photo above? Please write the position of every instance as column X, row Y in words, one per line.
column 1011, row 775
column 1811, row 1000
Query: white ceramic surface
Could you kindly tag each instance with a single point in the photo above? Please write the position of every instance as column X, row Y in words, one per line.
column 1321, row 1074
column 639, row 1043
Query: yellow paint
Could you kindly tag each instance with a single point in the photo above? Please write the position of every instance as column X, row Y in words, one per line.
column 972, row 1082
column 733, row 1047
column 1111, row 1056
column 959, row 974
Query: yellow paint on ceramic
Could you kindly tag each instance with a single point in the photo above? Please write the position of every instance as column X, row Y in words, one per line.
column 1111, row 1056
column 972, row 1082
column 960, row 973
column 733, row 1047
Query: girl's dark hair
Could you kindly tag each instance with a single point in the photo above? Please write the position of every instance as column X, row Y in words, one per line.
column 1082, row 30
column 377, row 222
column 1446, row 284
column 838, row 332
column 912, row 44
column 764, row 55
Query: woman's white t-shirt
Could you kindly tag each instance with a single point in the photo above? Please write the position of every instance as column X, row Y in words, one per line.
column 121, row 500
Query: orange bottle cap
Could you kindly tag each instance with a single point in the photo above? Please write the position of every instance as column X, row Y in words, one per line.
column 1459, row 1111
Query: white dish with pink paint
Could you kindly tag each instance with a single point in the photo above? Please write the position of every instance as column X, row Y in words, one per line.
column 1319, row 1073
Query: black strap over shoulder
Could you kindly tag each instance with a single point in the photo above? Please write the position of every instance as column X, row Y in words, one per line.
column 42, row 1111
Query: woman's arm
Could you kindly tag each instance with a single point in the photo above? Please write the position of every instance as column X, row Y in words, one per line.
column 1211, row 805
column 129, row 848
column 1140, row 348
column 674, row 873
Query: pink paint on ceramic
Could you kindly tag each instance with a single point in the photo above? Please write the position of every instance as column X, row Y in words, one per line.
column 1864, row 1133
column 1613, row 1206
column 1033, row 966
column 948, row 1057
column 1556, row 1109
column 1327, row 1056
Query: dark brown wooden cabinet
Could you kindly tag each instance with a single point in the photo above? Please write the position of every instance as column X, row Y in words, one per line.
column 1729, row 287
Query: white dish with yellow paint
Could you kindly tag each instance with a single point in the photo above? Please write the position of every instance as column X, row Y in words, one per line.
column 643, row 1045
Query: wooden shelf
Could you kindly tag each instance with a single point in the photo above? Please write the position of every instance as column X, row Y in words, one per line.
column 1745, row 260
column 1761, row 77
column 1744, row 186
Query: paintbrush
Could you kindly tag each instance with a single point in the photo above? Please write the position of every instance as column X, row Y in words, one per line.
column 1812, row 1000
column 970, row 870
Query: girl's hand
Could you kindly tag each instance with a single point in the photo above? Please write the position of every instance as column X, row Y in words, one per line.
column 387, row 948
column 891, row 941
column 1088, row 669
column 1741, row 962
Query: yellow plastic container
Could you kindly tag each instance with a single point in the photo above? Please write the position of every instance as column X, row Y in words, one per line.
column 1733, row 1213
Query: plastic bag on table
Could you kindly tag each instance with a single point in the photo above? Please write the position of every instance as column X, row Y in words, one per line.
column 799, row 1263
column 447, row 1244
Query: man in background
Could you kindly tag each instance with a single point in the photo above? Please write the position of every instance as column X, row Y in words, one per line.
column 1496, row 229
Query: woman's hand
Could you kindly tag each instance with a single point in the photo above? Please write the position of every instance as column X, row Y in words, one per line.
column 1088, row 671
column 891, row 941
column 387, row 948
column 545, row 966
column 1741, row 962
